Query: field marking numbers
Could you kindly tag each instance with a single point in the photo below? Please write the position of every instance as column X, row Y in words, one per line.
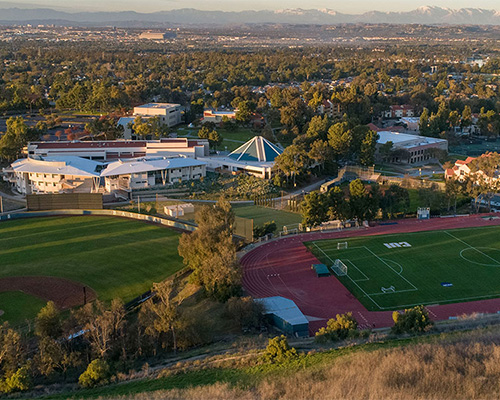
column 472, row 247
column 414, row 288
column 352, row 280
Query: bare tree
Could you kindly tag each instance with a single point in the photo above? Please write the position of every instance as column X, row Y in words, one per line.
column 102, row 326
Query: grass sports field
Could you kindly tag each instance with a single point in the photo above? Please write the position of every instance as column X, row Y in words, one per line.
column 115, row 257
column 261, row 215
column 390, row 272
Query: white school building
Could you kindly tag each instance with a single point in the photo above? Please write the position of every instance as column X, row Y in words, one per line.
column 71, row 174
column 146, row 173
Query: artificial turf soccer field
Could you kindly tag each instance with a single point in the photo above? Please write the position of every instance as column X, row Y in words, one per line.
column 384, row 276
column 116, row 257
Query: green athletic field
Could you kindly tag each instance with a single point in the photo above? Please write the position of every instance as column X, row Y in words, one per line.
column 118, row 258
column 391, row 272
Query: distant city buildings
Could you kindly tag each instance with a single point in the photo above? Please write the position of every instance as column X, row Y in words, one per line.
column 157, row 35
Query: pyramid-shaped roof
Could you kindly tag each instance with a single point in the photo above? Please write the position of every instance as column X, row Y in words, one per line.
column 256, row 149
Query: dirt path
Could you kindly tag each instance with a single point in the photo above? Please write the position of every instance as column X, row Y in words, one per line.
column 63, row 292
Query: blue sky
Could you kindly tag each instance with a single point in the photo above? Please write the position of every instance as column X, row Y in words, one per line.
column 355, row 6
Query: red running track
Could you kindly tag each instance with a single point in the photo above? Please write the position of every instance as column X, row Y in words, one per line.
column 283, row 268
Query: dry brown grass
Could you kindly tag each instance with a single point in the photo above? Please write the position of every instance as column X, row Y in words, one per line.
column 467, row 367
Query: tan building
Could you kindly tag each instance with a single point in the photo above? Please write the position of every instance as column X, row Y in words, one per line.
column 169, row 114
column 156, row 35
column 331, row 109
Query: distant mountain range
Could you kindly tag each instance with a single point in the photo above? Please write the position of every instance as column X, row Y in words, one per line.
column 422, row 15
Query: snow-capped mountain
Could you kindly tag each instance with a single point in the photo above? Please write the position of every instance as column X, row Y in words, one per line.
column 421, row 15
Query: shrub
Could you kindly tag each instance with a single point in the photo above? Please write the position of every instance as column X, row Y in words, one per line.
column 18, row 381
column 97, row 372
column 245, row 312
column 338, row 328
column 265, row 229
column 412, row 320
column 48, row 321
column 278, row 350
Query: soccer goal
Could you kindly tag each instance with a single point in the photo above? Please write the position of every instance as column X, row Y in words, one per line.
column 341, row 245
column 339, row 268
column 390, row 289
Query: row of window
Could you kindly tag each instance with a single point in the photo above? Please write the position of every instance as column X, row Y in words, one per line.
column 416, row 153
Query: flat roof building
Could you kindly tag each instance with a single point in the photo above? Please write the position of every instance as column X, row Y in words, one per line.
column 216, row 116
column 109, row 150
column 285, row 315
column 169, row 114
column 157, row 35
column 414, row 148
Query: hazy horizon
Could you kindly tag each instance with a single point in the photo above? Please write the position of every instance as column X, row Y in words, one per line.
column 359, row 6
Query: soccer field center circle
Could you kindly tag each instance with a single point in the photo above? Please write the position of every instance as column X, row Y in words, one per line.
column 484, row 251
column 282, row 267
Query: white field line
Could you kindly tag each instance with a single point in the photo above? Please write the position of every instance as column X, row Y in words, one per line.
column 381, row 259
column 360, row 288
column 428, row 303
column 335, row 249
column 354, row 265
column 472, row 247
column 447, row 301
column 396, row 291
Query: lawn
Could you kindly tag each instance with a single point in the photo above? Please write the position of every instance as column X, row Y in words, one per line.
column 391, row 272
column 17, row 306
column 116, row 257
column 260, row 215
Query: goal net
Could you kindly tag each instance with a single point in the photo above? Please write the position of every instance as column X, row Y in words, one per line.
column 339, row 268
column 341, row 245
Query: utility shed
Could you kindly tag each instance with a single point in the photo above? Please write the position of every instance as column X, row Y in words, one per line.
column 321, row 270
column 285, row 315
